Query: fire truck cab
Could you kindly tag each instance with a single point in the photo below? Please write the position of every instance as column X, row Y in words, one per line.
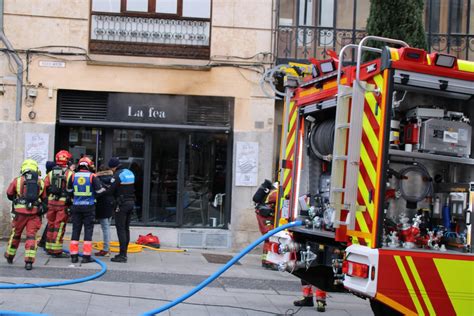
column 377, row 161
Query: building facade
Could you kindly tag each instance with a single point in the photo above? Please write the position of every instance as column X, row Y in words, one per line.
column 170, row 87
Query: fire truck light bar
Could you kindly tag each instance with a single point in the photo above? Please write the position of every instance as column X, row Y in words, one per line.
column 445, row 60
column 355, row 269
column 327, row 67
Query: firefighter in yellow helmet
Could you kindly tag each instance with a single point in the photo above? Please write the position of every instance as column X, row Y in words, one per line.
column 26, row 192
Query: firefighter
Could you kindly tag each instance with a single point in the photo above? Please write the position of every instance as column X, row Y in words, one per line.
column 265, row 218
column 123, row 188
column 307, row 299
column 26, row 192
column 59, row 200
column 85, row 186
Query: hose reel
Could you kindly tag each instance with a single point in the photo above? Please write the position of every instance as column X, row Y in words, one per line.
column 321, row 139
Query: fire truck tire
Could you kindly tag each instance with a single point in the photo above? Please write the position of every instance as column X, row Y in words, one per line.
column 380, row 309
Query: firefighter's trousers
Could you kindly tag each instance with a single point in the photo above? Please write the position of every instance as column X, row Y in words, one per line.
column 80, row 218
column 57, row 219
column 307, row 290
column 265, row 224
column 32, row 223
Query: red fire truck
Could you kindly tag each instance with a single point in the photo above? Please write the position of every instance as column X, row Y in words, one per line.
column 377, row 161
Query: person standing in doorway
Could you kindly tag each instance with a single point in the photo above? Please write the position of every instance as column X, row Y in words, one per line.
column 105, row 209
column 123, row 188
column 85, row 187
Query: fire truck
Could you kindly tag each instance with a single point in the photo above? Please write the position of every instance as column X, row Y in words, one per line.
column 376, row 160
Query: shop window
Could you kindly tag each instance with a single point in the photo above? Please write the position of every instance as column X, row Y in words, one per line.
column 159, row 28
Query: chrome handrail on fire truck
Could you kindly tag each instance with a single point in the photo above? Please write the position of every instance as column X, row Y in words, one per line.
column 362, row 47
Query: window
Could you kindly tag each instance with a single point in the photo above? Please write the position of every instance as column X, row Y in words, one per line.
column 200, row 9
column 156, row 28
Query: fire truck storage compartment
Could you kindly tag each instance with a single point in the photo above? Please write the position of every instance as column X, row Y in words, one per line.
column 313, row 204
column 430, row 173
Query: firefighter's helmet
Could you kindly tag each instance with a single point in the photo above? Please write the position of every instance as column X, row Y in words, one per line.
column 29, row 165
column 63, row 157
column 85, row 162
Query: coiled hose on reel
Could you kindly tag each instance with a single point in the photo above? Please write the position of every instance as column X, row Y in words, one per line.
column 321, row 139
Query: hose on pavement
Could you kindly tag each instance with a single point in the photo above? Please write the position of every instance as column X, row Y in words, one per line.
column 216, row 274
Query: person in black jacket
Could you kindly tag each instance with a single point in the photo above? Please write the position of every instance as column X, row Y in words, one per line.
column 105, row 209
column 42, row 243
column 123, row 189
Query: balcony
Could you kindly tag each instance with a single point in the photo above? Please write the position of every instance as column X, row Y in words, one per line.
column 119, row 34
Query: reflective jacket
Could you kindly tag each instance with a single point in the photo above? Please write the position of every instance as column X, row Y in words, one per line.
column 62, row 199
column 16, row 191
column 82, row 188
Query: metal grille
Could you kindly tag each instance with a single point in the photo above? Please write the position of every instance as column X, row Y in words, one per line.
column 81, row 105
column 209, row 114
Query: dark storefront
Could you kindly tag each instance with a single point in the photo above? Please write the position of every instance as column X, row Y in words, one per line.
column 179, row 148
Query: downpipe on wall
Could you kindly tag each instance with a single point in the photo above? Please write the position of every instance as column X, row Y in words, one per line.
column 19, row 63
column 216, row 274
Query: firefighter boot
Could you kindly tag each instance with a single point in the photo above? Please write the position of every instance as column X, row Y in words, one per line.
column 320, row 306
column 74, row 258
column 305, row 301
column 29, row 265
column 9, row 258
column 86, row 259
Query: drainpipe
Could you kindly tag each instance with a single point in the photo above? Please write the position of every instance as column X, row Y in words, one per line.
column 19, row 64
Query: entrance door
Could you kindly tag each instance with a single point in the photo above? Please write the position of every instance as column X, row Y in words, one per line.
column 164, row 167
column 129, row 146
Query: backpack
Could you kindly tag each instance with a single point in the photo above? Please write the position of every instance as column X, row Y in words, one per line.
column 31, row 188
column 58, row 181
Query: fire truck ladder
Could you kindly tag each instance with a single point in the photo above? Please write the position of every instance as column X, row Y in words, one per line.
column 347, row 137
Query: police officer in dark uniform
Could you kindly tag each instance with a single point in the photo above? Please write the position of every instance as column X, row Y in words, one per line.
column 123, row 188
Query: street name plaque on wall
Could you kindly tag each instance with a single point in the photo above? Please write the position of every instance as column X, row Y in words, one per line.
column 146, row 108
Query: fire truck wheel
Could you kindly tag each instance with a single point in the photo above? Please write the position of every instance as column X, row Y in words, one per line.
column 380, row 309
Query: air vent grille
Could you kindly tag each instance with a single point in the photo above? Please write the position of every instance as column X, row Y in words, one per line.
column 81, row 105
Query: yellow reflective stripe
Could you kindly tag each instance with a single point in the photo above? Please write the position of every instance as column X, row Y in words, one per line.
column 394, row 54
column 388, row 301
column 10, row 250
column 419, row 283
column 18, row 186
column 372, row 102
column 369, row 131
column 78, row 193
column 409, row 286
column 458, row 280
column 465, row 65
column 369, row 167
column 379, row 82
column 30, row 253
column 58, row 236
column 428, row 59
column 362, row 224
column 364, row 192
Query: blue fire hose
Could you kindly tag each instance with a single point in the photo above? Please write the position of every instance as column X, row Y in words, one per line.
column 51, row 284
column 222, row 270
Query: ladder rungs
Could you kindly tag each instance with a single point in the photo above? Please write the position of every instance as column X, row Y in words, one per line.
column 339, row 157
column 343, row 125
column 338, row 190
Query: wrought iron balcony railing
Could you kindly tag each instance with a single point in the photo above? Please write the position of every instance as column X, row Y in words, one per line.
column 149, row 36
column 304, row 42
